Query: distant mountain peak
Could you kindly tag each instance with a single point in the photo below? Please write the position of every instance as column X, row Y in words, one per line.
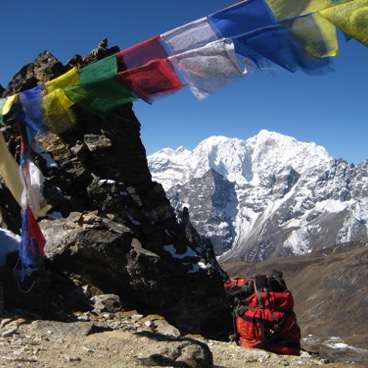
column 267, row 196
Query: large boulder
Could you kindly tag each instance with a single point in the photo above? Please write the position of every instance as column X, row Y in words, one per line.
column 110, row 229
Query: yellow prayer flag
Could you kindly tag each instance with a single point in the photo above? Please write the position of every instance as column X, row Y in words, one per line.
column 57, row 114
column 9, row 170
column 68, row 79
column 315, row 36
column 351, row 17
column 288, row 9
column 56, row 104
column 10, row 101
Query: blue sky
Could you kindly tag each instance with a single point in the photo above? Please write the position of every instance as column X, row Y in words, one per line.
column 329, row 109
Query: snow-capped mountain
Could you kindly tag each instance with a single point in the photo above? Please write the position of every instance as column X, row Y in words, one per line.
column 267, row 196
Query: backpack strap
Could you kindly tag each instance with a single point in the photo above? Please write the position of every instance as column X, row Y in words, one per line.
column 260, row 284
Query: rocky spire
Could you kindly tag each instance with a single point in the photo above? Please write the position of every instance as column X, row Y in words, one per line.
column 111, row 228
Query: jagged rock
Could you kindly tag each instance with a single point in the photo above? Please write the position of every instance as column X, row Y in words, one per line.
column 157, row 324
column 181, row 353
column 111, row 228
column 97, row 143
column 44, row 68
column 107, row 303
column 108, row 257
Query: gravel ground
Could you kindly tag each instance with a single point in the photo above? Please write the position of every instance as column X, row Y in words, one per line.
column 125, row 340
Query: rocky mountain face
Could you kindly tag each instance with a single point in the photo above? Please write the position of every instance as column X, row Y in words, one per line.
column 265, row 197
column 111, row 228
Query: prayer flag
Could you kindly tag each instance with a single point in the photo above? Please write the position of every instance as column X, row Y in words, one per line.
column 31, row 250
column 142, row 53
column 9, row 170
column 318, row 39
column 56, row 105
column 2, row 103
column 156, row 78
column 99, row 71
column 315, row 36
column 27, row 136
column 284, row 9
column 57, row 115
column 100, row 88
column 29, row 110
column 190, row 36
column 9, row 102
column 32, row 180
column 282, row 51
column 242, row 18
column 351, row 17
column 68, row 79
column 101, row 97
column 208, row 68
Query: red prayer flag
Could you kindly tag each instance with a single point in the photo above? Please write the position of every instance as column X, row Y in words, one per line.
column 156, row 78
column 35, row 236
column 142, row 53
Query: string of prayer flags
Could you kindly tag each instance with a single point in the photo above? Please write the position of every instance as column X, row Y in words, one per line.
column 296, row 35
column 351, row 17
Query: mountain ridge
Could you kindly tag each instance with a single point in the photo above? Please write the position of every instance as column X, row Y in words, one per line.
column 283, row 197
column 208, row 154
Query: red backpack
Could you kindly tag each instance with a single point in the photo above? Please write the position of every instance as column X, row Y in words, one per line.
column 264, row 316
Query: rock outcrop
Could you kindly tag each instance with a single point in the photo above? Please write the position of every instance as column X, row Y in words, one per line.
column 110, row 229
